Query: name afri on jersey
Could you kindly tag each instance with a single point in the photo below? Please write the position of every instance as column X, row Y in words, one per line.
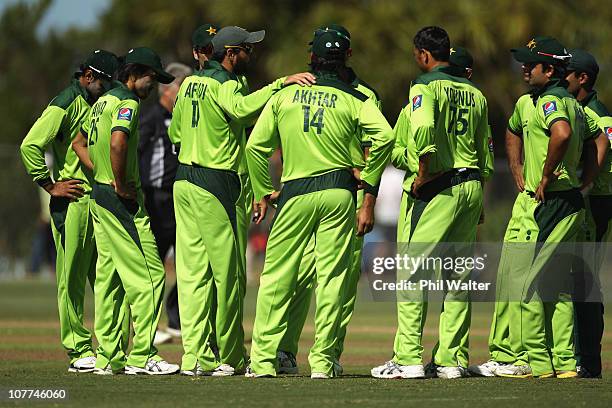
column 195, row 90
column 97, row 109
column 318, row 98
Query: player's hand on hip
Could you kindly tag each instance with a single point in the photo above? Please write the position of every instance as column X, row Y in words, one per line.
column 302, row 79
column 260, row 209
column 519, row 180
column 125, row 191
column 70, row 189
column 365, row 216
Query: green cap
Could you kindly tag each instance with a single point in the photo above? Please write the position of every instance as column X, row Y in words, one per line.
column 103, row 62
column 330, row 44
column 233, row 36
column 147, row 57
column 542, row 49
column 203, row 35
column 335, row 27
column 460, row 57
column 583, row 61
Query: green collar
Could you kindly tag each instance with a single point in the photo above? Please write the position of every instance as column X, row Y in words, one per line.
column 128, row 90
column 591, row 97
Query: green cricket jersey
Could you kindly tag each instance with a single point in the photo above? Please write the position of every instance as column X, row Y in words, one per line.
column 600, row 120
column 523, row 110
column 212, row 110
column 58, row 125
column 115, row 110
column 404, row 155
column 318, row 128
column 553, row 103
column 358, row 151
column 449, row 118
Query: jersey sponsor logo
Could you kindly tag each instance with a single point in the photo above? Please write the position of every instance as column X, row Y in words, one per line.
column 125, row 114
column 608, row 132
column 549, row 107
column 416, row 102
column 490, row 144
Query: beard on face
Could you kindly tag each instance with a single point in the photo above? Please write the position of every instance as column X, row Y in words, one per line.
column 241, row 67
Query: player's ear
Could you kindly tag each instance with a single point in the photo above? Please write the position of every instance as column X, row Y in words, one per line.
column 584, row 78
column 195, row 54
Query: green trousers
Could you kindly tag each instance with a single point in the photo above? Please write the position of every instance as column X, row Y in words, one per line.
column 324, row 208
column 128, row 272
column 450, row 216
column 300, row 302
column 73, row 234
column 516, row 254
column 589, row 322
column 543, row 319
column 208, row 267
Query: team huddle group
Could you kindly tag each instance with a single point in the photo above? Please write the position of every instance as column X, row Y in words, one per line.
column 335, row 144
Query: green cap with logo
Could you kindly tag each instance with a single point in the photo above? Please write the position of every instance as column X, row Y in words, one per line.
column 330, row 44
column 233, row 36
column 203, row 35
column 333, row 27
column 460, row 57
column 542, row 49
column 147, row 57
column 103, row 63
column 583, row 61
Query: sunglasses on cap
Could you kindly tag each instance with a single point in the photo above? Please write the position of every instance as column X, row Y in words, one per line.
column 247, row 48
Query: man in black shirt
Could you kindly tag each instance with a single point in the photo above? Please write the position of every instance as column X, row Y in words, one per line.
column 158, row 164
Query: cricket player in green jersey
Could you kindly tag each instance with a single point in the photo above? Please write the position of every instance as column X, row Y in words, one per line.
column 128, row 261
column 316, row 129
column 551, row 213
column 582, row 74
column 450, row 131
column 300, row 302
column 503, row 348
column 211, row 112
column 70, row 191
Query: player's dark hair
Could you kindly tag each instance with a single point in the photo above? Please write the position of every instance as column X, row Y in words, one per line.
column 126, row 70
column 335, row 64
column 435, row 40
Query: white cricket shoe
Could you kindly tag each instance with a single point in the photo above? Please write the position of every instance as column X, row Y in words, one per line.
column 448, row 373
column 153, row 367
column 319, row 376
column 485, row 369
column 514, row 371
column 162, row 337
column 286, row 363
column 83, row 365
column 196, row 371
column 224, row 370
column 105, row 371
column 249, row 373
column 393, row 370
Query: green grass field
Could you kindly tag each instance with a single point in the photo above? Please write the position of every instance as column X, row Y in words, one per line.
column 31, row 357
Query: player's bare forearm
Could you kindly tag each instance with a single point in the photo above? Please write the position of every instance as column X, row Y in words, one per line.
column 590, row 167
column 560, row 134
column 118, row 158
column 514, row 149
column 365, row 217
column 79, row 145
column 603, row 147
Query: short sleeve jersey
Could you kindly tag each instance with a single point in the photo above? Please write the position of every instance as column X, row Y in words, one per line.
column 118, row 109
column 553, row 104
column 600, row 120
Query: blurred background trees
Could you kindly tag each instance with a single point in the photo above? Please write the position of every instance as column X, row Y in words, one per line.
column 33, row 67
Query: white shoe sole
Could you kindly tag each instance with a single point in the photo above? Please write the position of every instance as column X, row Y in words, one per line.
column 319, row 376
column 398, row 376
column 80, row 370
column 141, row 371
column 477, row 372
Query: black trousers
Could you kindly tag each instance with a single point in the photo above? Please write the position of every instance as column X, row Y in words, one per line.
column 589, row 321
column 160, row 206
